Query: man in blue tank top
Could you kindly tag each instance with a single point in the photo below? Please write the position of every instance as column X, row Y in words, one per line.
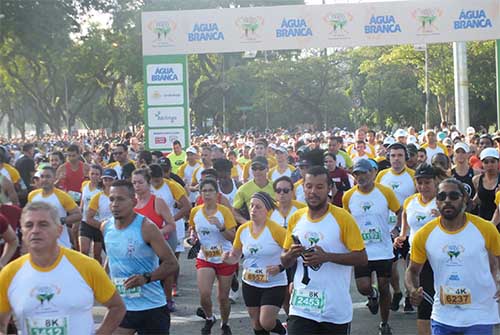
column 138, row 259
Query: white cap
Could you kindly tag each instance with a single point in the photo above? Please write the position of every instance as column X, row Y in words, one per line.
column 389, row 140
column 400, row 133
column 412, row 139
column 461, row 145
column 447, row 141
column 489, row 152
column 470, row 130
column 191, row 150
column 282, row 149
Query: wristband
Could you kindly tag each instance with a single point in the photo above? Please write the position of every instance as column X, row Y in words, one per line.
column 282, row 268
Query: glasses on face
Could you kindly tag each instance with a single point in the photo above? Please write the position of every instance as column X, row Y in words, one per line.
column 118, row 152
column 489, row 161
column 210, row 190
column 483, row 144
column 282, row 190
column 258, row 168
column 453, row 195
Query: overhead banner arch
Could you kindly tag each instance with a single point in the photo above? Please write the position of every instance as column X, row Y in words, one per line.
column 166, row 33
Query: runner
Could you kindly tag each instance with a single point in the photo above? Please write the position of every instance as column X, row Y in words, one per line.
column 370, row 204
column 283, row 168
column 51, row 290
column 135, row 247
column 213, row 225
column 419, row 209
column 463, row 250
column 329, row 243
column 432, row 146
column 486, row 183
column 264, row 280
column 339, row 177
column 187, row 169
column 120, row 155
column 8, row 241
column 177, row 157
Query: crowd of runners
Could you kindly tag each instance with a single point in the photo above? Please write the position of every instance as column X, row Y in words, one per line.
column 281, row 219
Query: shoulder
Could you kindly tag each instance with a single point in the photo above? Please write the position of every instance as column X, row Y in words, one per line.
column 298, row 204
column 410, row 199
column 410, row 171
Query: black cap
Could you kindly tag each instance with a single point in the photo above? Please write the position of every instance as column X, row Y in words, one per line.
column 109, row 173
column 425, row 170
column 259, row 160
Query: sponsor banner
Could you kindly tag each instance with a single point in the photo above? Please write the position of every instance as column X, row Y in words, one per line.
column 164, row 74
column 166, row 117
column 159, row 139
column 318, row 26
column 165, row 95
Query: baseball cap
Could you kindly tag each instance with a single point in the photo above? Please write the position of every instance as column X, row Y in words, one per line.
column 461, row 145
column 470, row 130
column 191, row 150
column 411, row 139
column 448, row 142
column 424, row 171
column 489, row 152
column 259, row 160
column 362, row 165
column 109, row 173
column 303, row 162
column 388, row 141
column 281, row 149
column 400, row 133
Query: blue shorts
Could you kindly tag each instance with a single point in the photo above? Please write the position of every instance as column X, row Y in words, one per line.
column 442, row 329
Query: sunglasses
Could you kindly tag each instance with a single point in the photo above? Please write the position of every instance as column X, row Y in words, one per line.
column 118, row 152
column 453, row 195
column 258, row 168
column 489, row 161
column 282, row 190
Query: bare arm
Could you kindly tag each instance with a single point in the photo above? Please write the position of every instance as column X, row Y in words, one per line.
column 412, row 282
column 475, row 182
column 60, row 174
column 185, row 207
column 74, row 216
column 162, row 209
column 4, row 323
column 90, row 218
column 114, row 315
column 232, row 257
column 237, row 216
column 10, row 191
column 11, row 244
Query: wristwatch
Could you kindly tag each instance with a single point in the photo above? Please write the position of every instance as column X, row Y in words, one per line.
column 147, row 275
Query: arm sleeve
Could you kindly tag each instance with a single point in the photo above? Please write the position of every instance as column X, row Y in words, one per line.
column 237, row 238
column 278, row 232
column 287, row 243
column 229, row 221
column 418, row 253
column 94, row 202
column 191, row 216
column 350, row 233
column 66, row 201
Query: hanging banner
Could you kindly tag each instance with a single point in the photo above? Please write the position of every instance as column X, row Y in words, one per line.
column 166, row 104
column 319, row 26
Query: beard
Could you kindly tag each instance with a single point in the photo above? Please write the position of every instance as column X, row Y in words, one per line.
column 316, row 207
column 451, row 215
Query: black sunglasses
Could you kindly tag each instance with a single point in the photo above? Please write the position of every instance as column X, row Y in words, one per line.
column 453, row 195
column 258, row 168
column 284, row 190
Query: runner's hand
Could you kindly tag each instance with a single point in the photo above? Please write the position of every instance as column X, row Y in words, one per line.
column 215, row 221
column 398, row 242
column 416, row 296
column 296, row 250
column 273, row 270
column 316, row 257
column 134, row 281
column 497, row 294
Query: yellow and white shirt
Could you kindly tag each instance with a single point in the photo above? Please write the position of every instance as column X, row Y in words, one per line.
column 63, row 203
column 213, row 243
column 298, row 188
column 261, row 251
column 274, row 173
column 403, row 185
column 118, row 167
column 186, row 171
column 463, row 281
column 11, row 173
column 335, row 232
column 87, row 194
column 418, row 213
column 371, row 212
column 431, row 152
column 101, row 205
column 57, row 299
column 283, row 218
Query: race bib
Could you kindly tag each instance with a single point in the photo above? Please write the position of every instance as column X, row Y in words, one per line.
column 311, row 301
column 393, row 219
column 75, row 195
column 258, row 275
column 47, row 326
column 454, row 295
column 372, row 235
column 212, row 253
column 126, row 293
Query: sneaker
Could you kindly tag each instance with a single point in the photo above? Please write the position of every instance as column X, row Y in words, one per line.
column 396, row 299
column 201, row 313
column 384, row 329
column 408, row 308
column 225, row 329
column 171, row 306
column 373, row 301
column 207, row 328
column 235, row 284
column 233, row 296
column 174, row 291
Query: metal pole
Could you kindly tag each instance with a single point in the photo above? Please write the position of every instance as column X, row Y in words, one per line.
column 497, row 57
column 427, row 94
column 265, row 96
column 461, row 86
column 224, row 124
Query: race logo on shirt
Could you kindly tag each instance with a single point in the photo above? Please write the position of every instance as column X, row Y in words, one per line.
column 366, row 206
column 420, row 217
column 253, row 248
column 395, row 185
column 204, row 232
column 313, row 237
column 453, row 253
column 45, row 295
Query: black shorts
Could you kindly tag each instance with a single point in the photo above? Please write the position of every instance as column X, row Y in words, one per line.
column 256, row 296
column 297, row 325
column 90, row 232
column 150, row 321
column 383, row 268
column 401, row 253
column 424, row 310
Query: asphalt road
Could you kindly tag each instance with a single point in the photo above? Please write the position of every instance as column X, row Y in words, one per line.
column 184, row 321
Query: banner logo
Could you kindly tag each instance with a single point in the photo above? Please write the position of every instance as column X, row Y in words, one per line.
column 338, row 22
column 249, row 26
column 472, row 19
column 426, row 19
column 293, row 27
column 163, row 30
column 382, row 24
